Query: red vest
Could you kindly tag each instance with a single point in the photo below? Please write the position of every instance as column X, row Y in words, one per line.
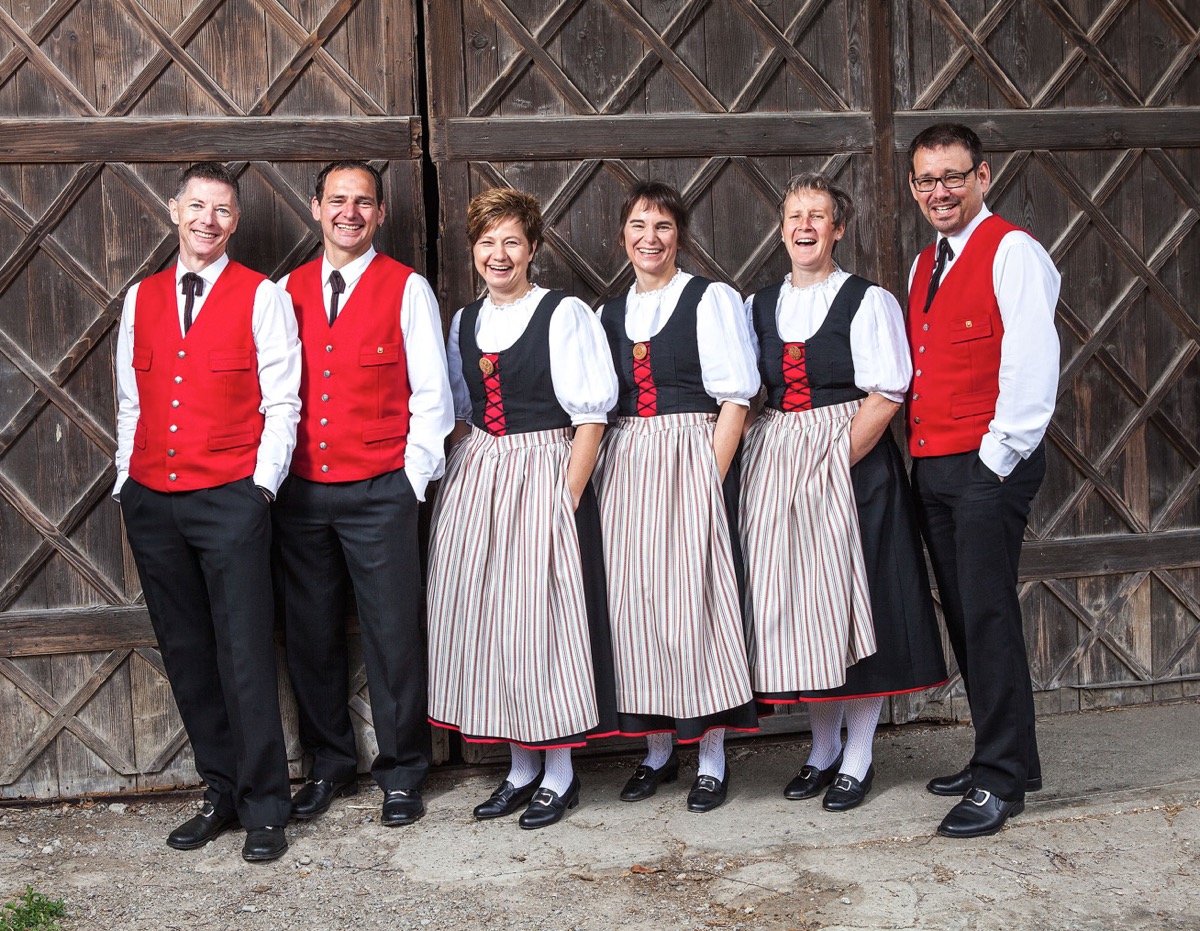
column 955, row 348
column 354, row 387
column 199, row 425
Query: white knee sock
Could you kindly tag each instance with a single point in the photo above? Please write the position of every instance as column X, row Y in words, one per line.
column 862, row 717
column 658, row 750
column 560, row 771
column 712, row 754
column 826, row 720
column 526, row 764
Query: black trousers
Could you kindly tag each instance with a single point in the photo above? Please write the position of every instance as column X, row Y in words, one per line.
column 204, row 558
column 361, row 534
column 974, row 525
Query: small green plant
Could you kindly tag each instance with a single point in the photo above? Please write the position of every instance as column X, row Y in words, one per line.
column 32, row 912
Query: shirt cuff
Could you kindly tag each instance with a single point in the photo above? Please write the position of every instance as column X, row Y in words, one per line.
column 998, row 457
column 419, row 481
column 269, row 477
column 116, row 492
column 578, row 419
column 740, row 402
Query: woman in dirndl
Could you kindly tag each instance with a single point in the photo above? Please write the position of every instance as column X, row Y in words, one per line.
column 835, row 572
column 667, row 482
column 519, row 647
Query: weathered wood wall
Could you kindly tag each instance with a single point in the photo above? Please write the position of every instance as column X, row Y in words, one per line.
column 101, row 104
column 1090, row 110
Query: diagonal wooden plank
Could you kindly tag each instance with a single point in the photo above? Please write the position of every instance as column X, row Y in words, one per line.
column 516, row 67
column 1093, row 479
column 38, row 33
column 1096, row 58
column 1182, row 496
column 307, row 50
column 671, row 61
column 93, row 495
column 161, row 59
column 62, row 543
column 1076, row 58
column 48, row 69
column 63, row 716
column 785, row 46
column 992, row 71
column 1120, row 245
column 640, row 73
column 1192, row 604
column 774, row 59
column 539, row 56
column 167, row 42
column 962, row 56
column 1098, row 628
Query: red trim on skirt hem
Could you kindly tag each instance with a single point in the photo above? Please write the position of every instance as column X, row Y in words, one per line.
column 797, row 701
column 693, row 740
column 546, row 745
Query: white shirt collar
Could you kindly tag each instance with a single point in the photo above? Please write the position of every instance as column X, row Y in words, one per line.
column 209, row 274
column 351, row 271
column 958, row 241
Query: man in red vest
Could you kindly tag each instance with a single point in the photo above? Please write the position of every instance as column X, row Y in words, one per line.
column 208, row 368
column 985, row 375
column 377, row 409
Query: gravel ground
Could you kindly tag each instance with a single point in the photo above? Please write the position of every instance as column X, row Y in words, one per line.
column 1090, row 852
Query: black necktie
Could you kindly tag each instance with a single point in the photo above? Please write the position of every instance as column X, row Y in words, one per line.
column 944, row 255
column 337, row 284
column 192, row 286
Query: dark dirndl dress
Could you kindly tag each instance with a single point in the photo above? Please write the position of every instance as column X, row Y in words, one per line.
column 908, row 656
column 519, row 640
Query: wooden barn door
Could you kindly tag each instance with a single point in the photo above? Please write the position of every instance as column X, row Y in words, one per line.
column 1089, row 109
column 101, row 104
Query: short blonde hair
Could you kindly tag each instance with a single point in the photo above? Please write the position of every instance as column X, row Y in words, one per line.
column 504, row 203
column 843, row 206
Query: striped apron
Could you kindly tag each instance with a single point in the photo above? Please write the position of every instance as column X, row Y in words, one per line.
column 678, row 645
column 806, row 583
column 509, row 650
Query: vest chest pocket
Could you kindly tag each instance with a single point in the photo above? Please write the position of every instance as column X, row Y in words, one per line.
column 381, row 354
column 963, row 331
column 226, row 360
column 242, row 434
column 142, row 357
column 976, row 404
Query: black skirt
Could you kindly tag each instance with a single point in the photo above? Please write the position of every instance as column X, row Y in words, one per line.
column 909, row 656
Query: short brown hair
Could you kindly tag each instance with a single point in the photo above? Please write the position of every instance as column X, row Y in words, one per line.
column 943, row 135
column 349, row 164
column 843, row 206
column 665, row 198
column 209, row 171
column 500, row 204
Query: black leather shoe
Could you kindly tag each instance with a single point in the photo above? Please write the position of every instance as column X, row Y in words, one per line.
column 708, row 792
column 548, row 807
column 810, row 780
column 978, row 814
column 199, row 830
column 646, row 779
column 959, row 782
column 269, row 843
column 506, row 799
column 316, row 795
column 846, row 792
column 401, row 806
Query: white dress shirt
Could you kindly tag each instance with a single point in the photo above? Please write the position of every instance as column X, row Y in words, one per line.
column 1026, row 284
column 277, row 348
column 430, row 411
column 878, row 340
column 727, row 362
column 581, row 368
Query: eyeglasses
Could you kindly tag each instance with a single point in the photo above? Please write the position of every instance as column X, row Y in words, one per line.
column 951, row 180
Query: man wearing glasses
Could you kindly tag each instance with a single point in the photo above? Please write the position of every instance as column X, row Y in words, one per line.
column 985, row 374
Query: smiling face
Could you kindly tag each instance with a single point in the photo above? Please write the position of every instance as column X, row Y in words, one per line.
column 502, row 255
column 949, row 211
column 206, row 215
column 651, row 239
column 349, row 213
column 809, row 233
